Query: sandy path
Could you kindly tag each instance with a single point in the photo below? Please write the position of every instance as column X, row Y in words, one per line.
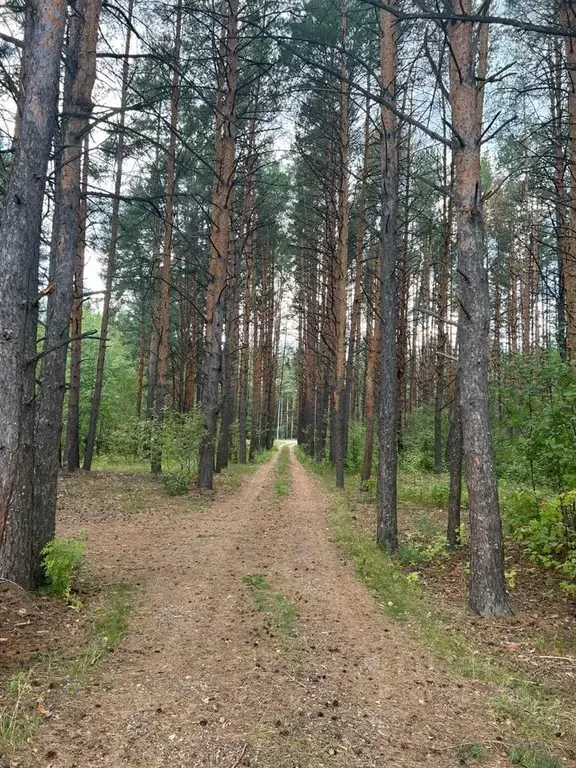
column 200, row 680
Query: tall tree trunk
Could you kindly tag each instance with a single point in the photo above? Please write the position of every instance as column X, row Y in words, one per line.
column 111, row 260
column 341, row 264
column 442, row 310
column 20, row 226
column 166, row 269
column 245, row 359
column 387, row 524
column 229, row 359
column 373, row 343
column 141, row 360
column 224, row 179
column 246, row 249
column 77, row 105
column 255, row 442
column 560, row 202
column 73, row 421
column 358, row 263
column 487, row 588
column 567, row 12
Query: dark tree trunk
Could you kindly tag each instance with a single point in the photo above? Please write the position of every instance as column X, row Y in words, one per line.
column 341, row 266
column 229, row 363
column 224, row 180
column 357, row 300
column 20, row 226
column 487, row 588
column 442, row 310
column 373, row 337
column 111, row 262
column 387, row 525
column 73, row 421
column 455, row 456
column 77, row 105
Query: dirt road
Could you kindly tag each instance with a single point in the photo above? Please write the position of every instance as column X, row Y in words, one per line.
column 206, row 676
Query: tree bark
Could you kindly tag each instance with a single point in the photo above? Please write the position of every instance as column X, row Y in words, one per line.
column 111, row 260
column 341, row 264
column 73, row 421
column 487, row 589
column 387, row 524
column 77, row 106
column 358, row 271
column 224, row 179
column 20, row 226
column 567, row 12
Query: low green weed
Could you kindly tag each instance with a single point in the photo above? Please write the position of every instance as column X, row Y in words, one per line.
column 281, row 614
column 63, row 561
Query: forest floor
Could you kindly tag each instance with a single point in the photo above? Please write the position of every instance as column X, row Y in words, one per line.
column 250, row 642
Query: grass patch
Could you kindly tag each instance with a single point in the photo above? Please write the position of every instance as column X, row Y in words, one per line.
column 283, row 477
column 25, row 703
column 107, row 629
column 472, row 751
column 535, row 713
column 281, row 614
column 533, row 757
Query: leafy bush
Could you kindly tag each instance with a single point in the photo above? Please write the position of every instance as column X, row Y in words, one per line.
column 63, row 562
column 535, row 438
column 547, row 530
column 175, row 483
column 355, row 453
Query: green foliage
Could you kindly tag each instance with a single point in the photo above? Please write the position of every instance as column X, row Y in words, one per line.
column 63, row 562
column 417, row 453
column 117, row 406
column 175, row 483
column 18, row 719
column 536, row 438
column 107, row 629
column 547, row 530
column 355, row 453
column 472, row 751
column 533, row 757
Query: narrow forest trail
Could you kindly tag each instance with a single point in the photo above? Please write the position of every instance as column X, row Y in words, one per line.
column 202, row 680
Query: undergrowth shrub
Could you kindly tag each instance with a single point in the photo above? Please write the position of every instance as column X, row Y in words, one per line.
column 355, row 453
column 63, row 561
column 546, row 530
column 175, row 483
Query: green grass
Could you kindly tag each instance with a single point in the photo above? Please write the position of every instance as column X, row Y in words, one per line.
column 533, row 757
column 26, row 700
column 472, row 751
column 107, row 629
column 281, row 614
column 536, row 713
column 283, row 477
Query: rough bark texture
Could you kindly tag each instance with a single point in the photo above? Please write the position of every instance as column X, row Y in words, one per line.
column 373, row 336
column 341, row 266
column 77, row 105
column 387, row 525
column 111, row 260
column 567, row 11
column 224, row 177
column 442, row 310
column 487, row 588
column 73, row 420
column 351, row 373
column 166, row 272
column 20, row 226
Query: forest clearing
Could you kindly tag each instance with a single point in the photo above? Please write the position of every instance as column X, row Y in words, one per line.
column 287, row 383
